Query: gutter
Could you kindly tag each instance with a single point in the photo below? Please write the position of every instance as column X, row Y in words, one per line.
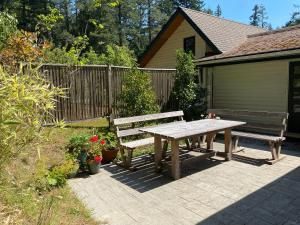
column 250, row 58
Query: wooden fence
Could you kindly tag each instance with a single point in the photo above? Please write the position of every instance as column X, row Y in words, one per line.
column 92, row 91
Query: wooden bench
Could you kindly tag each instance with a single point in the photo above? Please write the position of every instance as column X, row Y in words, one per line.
column 265, row 126
column 129, row 127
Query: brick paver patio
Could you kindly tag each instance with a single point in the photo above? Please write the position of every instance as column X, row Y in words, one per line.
column 212, row 192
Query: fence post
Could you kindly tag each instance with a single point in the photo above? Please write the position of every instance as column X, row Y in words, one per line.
column 110, row 97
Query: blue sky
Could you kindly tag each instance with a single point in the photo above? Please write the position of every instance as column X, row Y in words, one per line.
column 279, row 11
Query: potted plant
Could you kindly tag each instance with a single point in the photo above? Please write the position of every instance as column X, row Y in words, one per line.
column 109, row 148
column 94, row 157
column 78, row 147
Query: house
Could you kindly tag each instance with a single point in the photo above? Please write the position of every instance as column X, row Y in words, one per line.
column 262, row 73
column 201, row 33
column 242, row 67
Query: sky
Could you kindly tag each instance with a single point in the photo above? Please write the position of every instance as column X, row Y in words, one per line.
column 279, row 11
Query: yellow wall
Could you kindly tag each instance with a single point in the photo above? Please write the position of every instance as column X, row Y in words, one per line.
column 253, row 86
column 165, row 57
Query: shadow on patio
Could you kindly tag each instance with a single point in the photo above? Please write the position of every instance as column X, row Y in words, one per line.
column 276, row 203
column 145, row 179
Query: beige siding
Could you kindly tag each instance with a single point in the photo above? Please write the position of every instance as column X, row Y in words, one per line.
column 253, row 86
column 165, row 57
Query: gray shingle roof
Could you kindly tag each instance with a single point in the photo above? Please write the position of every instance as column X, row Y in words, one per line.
column 224, row 34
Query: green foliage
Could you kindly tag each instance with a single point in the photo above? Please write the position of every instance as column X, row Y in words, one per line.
column 259, row 17
column 137, row 96
column 295, row 19
column 110, row 138
column 47, row 22
column 8, row 26
column 61, row 56
column 118, row 56
column 26, row 101
column 47, row 179
column 184, row 86
column 186, row 94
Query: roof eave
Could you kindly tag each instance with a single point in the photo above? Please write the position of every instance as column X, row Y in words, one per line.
column 165, row 27
column 251, row 57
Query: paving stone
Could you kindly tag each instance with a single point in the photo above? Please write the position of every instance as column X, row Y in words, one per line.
column 213, row 193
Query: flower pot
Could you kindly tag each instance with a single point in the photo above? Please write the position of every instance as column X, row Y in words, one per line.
column 108, row 155
column 94, row 167
column 82, row 159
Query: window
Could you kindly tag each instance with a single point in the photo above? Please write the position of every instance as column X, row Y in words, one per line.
column 189, row 44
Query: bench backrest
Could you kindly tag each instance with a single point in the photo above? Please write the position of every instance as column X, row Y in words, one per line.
column 124, row 126
column 273, row 123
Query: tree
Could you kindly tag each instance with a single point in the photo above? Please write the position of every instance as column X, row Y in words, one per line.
column 218, row 11
column 209, row 11
column 137, row 96
column 295, row 18
column 191, row 4
column 8, row 27
column 263, row 17
column 259, row 17
column 255, row 17
column 183, row 92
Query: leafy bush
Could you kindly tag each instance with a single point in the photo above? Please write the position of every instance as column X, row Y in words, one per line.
column 26, row 101
column 137, row 96
column 118, row 56
column 21, row 47
column 61, row 56
column 8, row 26
column 46, row 179
column 186, row 94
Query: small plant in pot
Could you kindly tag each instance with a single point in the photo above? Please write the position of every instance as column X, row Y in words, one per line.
column 94, row 157
column 78, row 147
column 109, row 149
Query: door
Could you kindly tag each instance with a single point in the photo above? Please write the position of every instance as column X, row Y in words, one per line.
column 294, row 98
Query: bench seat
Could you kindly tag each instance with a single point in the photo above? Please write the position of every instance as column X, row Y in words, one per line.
column 130, row 126
column 260, row 125
column 138, row 143
column 262, row 137
column 257, row 136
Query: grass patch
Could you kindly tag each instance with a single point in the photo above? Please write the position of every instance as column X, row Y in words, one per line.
column 20, row 203
column 97, row 123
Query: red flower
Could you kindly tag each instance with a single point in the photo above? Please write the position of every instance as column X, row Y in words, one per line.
column 94, row 138
column 98, row 159
column 102, row 142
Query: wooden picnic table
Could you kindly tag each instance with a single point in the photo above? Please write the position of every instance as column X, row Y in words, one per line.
column 176, row 132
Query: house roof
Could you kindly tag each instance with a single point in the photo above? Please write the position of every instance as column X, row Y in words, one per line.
column 281, row 40
column 224, row 33
column 219, row 33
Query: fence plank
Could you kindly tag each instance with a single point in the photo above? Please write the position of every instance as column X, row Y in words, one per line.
column 92, row 91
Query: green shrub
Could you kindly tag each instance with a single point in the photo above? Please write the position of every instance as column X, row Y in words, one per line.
column 186, row 94
column 8, row 26
column 26, row 101
column 137, row 96
column 46, row 179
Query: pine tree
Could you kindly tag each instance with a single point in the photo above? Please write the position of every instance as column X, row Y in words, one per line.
column 259, row 17
column 295, row 18
column 255, row 17
column 263, row 17
column 218, row 11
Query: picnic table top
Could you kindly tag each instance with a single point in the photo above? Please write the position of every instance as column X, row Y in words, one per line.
column 183, row 130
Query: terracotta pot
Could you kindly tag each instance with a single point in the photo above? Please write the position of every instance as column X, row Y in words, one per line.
column 108, row 155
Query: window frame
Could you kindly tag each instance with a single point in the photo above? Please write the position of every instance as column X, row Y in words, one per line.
column 185, row 40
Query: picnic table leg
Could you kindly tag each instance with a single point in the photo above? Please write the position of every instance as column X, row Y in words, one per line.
column 210, row 141
column 228, row 145
column 175, row 159
column 158, row 152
